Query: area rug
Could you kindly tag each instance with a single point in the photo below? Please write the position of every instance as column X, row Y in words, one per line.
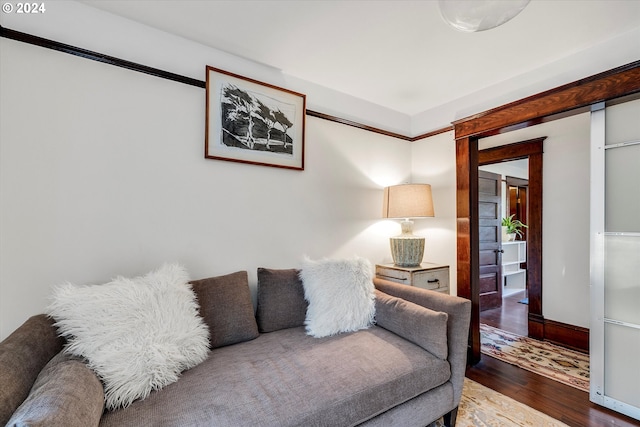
column 558, row 363
column 480, row 406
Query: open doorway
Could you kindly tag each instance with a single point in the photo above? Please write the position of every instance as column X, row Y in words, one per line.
column 530, row 250
column 503, row 193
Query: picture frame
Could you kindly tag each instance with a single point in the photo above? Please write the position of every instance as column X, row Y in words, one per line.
column 249, row 121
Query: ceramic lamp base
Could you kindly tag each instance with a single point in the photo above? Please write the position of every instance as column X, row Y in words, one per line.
column 407, row 251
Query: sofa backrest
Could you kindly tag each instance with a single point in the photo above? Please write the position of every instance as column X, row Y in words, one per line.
column 23, row 354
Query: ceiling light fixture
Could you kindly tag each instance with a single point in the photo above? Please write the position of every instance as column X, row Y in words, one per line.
column 479, row 15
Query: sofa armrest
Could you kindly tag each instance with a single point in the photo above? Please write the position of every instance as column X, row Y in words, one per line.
column 420, row 325
column 67, row 393
column 459, row 317
column 23, row 354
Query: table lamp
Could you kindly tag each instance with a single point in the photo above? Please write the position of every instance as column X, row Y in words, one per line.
column 407, row 201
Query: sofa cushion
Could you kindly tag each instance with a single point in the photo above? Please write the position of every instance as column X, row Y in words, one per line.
column 340, row 295
column 225, row 305
column 22, row 355
column 420, row 325
column 281, row 302
column 66, row 393
column 287, row 378
column 137, row 334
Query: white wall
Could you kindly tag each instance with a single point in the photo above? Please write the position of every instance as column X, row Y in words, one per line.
column 89, row 28
column 102, row 173
column 433, row 161
column 565, row 215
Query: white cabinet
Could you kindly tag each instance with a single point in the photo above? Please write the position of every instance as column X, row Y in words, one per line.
column 514, row 278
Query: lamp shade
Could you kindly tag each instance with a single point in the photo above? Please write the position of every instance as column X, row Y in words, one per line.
column 407, row 201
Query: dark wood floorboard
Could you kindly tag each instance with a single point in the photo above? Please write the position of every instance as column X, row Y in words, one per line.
column 564, row 403
column 511, row 317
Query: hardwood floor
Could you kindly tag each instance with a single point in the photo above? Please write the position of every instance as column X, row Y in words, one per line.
column 511, row 317
column 564, row 403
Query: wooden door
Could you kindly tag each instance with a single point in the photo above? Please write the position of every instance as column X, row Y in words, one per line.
column 490, row 230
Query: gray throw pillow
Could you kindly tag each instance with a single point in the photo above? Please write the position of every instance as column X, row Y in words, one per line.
column 420, row 325
column 66, row 393
column 281, row 302
column 226, row 307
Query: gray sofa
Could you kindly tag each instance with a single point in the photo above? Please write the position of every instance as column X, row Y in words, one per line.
column 408, row 370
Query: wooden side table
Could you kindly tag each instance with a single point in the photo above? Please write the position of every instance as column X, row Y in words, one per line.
column 427, row 275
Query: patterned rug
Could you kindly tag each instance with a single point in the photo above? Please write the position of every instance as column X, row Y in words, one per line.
column 558, row 363
column 482, row 407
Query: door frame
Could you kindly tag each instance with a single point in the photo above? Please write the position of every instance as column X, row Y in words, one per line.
column 570, row 99
column 532, row 150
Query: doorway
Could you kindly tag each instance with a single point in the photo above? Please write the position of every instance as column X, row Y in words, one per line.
column 503, row 192
column 531, row 152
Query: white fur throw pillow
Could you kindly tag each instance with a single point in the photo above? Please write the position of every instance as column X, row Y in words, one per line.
column 137, row 334
column 340, row 294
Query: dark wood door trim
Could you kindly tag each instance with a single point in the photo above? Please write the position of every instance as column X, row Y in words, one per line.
column 515, row 151
column 468, row 237
column 618, row 82
column 526, row 112
column 516, row 182
column 534, row 244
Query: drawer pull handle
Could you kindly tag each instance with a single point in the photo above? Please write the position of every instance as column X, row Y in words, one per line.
column 433, row 281
column 391, row 277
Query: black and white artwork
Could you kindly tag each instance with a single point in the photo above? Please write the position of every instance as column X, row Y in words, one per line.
column 253, row 122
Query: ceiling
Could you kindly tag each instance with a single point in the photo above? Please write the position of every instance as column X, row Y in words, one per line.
column 398, row 54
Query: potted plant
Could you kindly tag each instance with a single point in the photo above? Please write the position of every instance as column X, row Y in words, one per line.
column 512, row 227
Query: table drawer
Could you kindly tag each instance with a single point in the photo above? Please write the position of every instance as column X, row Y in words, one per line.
column 399, row 276
column 434, row 280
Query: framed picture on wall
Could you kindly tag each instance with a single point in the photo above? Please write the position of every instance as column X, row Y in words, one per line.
column 253, row 122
